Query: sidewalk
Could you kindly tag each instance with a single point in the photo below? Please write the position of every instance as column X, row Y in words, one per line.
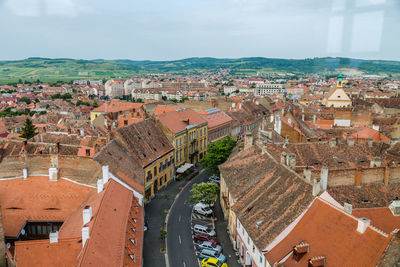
column 223, row 237
column 152, row 244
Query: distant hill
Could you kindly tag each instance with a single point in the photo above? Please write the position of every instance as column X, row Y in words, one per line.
column 47, row 69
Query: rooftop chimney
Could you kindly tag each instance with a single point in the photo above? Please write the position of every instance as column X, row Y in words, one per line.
column 332, row 142
column 87, row 214
column 324, row 177
column 213, row 103
column 53, row 236
column 314, row 119
column 106, row 174
column 307, row 174
column 291, row 160
column 25, row 173
column 363, row 224
column 69, row 131
column 53, row 173
column 248, row 140
column 316, row 187
column 264, row 148
column 100, row 186
column 283, row 158
column 85, row 235
column 350, row 142
column 395, row 207
column 375, row 162
column 302, row 117
column 82, row 132
column 300, row 250
column 370, row 142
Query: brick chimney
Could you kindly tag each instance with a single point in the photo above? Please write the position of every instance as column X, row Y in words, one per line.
column 363, row 224
column 300, row 250
column 348, row 207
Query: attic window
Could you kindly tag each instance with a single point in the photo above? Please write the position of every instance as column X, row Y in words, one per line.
column 365, row 201
column 51, row 209
column 133, row 241
column 132, row 256
column 362, row 161
column 14, row 208
column 133, row 229
column 249, row 209
column 144, row 155
column 148, row 133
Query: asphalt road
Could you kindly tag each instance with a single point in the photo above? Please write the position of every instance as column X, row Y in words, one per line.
column 179, row 241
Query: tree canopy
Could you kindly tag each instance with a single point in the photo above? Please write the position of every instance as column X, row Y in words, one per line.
column 28, row 130
column 207, row 192
column 217, row 153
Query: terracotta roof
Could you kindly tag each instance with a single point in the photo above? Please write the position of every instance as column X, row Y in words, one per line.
column 214, row 117
column 144, row 141
column 177, row 121
column 382, row 218
column 275, row 196
column 40, row 253
column 367, row 196
column 122, row 164
column 38, row 199
column 111, row 228
column 332, row 233
column 342, row 156
column 164, row 109
column 370, row 133
column 116, row 106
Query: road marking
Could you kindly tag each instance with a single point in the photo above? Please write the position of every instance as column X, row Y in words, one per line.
column 179, row 217
column 184, row 264
column 180, row 241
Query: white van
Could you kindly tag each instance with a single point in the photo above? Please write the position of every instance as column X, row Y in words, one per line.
column 202, row 209
column 201, row 229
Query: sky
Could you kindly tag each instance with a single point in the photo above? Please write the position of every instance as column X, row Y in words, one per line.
column 176, row 29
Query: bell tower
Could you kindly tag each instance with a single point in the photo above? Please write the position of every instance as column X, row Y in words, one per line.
column 340, row 81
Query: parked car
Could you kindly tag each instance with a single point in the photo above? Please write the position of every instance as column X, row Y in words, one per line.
column 214, row 179
column 208, row 253
column 202, row 209
column 205, row 237
column 209, row 245
column 201, row 229
column 213, row 262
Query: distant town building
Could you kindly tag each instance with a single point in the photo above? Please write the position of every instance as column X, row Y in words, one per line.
column 114, row 88
column 337, row 97
column 269, row 89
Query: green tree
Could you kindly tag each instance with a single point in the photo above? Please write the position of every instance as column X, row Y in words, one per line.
column 217, row 153
column 207, row 192
column 28, row 130
column 164, row 98
column 95, row 105
column 25, row 99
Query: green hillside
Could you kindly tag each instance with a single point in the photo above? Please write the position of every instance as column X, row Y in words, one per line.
column 52, row 70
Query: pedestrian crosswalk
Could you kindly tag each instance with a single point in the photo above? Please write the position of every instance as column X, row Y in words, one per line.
column 199, row 217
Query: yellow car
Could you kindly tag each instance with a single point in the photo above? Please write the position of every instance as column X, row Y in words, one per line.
column 212, row 262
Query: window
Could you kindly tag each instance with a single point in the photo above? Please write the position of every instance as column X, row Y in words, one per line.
column 161, row 166
column 176, row 142
column 155, row 170
column 166, row 163
column 149, row 176
column 261, row 259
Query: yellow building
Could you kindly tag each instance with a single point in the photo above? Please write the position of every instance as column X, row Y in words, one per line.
column 187, row 131
column 337, row 97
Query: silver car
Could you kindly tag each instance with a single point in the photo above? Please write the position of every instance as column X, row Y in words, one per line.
column 209, row 245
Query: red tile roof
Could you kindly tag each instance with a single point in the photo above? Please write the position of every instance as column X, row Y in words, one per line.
column 38, row 199
column 370, row 133
column 332, row 233
column 215, row 117
column 40, row 253
column 164, row 109
column 382, row 218
column 178, row 121
column 116, row 106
